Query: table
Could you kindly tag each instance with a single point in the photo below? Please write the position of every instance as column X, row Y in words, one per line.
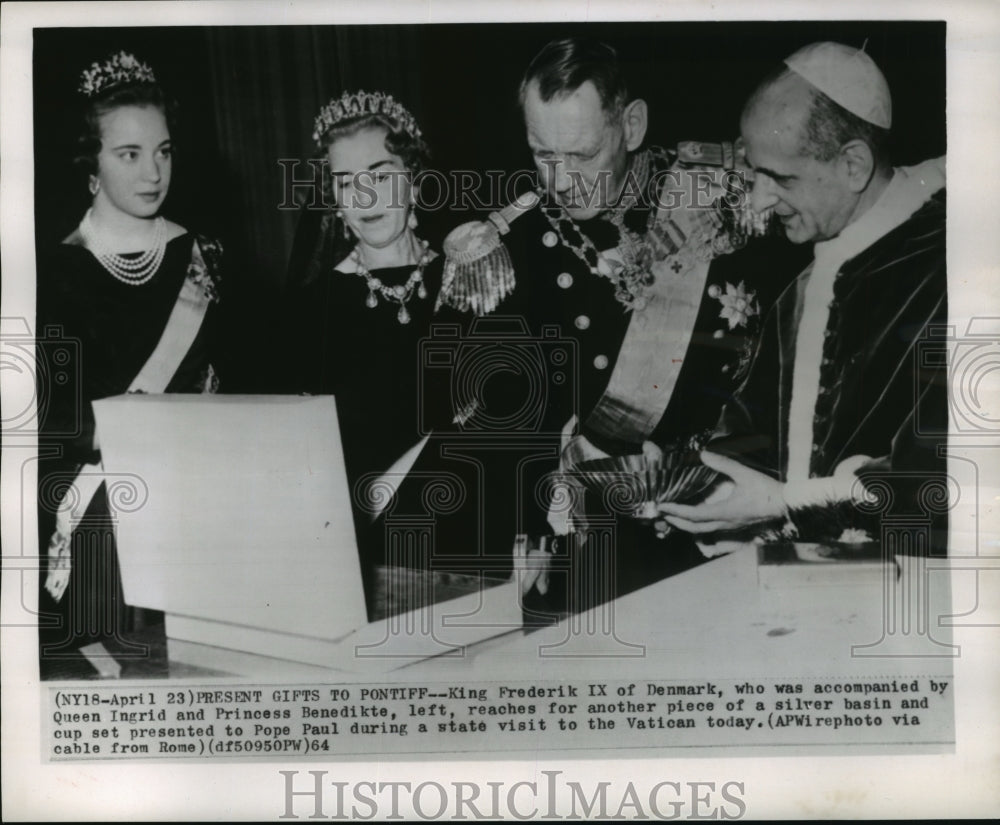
column 711, row 621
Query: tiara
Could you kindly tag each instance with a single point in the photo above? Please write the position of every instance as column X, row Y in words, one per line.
column 355, row 104
column 119, row 68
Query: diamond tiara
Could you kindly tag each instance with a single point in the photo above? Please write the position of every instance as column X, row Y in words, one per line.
column 117, row 69
column 355, row 104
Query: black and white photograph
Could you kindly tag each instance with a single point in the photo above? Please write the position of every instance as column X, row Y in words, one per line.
column 555, row 413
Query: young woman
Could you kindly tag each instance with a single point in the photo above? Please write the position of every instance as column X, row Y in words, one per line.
column 136, row 294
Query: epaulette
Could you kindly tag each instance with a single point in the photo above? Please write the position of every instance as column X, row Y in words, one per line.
column 728, row 187
column 478, row 273
column 698, row 153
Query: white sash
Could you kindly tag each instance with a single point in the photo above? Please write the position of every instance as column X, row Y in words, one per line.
column 178, row 335
column 652, row 354
column 656, row 342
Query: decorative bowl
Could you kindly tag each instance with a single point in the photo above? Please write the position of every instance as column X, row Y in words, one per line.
column 637, row 483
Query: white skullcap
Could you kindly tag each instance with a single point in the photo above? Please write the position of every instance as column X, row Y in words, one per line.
column 847, row 76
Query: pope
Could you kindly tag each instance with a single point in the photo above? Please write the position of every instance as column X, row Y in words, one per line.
column 843, row 416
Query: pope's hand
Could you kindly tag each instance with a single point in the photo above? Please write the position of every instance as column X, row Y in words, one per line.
column 748, row 498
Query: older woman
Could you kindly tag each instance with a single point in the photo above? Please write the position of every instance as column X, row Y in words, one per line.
column 365, row 290
column 136, row 293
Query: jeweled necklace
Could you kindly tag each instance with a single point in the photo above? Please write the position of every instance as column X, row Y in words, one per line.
column 630, row 280
column 400, row 293
column 131, row 270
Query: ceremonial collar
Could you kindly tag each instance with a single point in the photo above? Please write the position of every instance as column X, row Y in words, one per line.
column 908, row 190
column 635, row 203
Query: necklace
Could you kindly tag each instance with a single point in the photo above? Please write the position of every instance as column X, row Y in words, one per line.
column 633, row 275
column 400, row 293
column 631, row 279
column 131, row 270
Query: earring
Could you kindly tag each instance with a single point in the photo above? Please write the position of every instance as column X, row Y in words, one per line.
column 411, row 219
column 345, row 230
column 94, row 185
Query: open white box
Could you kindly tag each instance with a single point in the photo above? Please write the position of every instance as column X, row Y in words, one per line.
column 241, row 532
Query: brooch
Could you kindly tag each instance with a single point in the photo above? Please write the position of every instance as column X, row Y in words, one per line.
column 738, row 305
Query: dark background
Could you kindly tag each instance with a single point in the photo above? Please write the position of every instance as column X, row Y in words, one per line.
column 248, row 96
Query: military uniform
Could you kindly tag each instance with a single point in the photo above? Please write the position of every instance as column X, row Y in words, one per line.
column 554, row 303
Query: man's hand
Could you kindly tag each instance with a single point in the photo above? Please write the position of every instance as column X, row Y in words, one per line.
column 531, row 565
column 752, row 498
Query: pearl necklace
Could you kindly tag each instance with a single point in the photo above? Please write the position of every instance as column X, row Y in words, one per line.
column 401, row 293
column 133, row 271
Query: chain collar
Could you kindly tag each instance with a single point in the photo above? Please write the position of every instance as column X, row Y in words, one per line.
column 633, row 276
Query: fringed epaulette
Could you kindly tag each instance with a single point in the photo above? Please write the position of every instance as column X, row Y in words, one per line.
column 478, row 273
column 731, row 179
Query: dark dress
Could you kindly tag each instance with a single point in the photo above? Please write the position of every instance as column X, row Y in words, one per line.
column 370, row 362
column 95, row 334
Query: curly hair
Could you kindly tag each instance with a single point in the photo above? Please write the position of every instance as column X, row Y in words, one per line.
column 412, row 150
column 321, row 238
column 88, row 143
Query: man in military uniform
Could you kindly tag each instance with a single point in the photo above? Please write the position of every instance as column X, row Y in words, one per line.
column 624, row 254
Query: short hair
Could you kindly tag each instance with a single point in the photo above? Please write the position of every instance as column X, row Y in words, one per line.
column 828, row 125
column 409, row 148
column 88, row 143
column 563, row 66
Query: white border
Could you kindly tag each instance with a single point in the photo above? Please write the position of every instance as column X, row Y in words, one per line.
column 959, row 785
